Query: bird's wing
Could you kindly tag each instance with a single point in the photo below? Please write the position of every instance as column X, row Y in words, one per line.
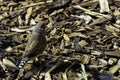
column 31, row 47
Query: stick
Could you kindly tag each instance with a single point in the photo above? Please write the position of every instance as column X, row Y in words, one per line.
column 36, row 4
column 92, row 13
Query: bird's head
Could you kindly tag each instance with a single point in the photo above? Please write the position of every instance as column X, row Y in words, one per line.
column 40, row 26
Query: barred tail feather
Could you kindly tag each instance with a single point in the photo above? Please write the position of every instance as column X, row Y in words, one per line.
column 23, row 62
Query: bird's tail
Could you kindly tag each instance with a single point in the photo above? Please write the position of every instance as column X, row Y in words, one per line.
column 23, row 62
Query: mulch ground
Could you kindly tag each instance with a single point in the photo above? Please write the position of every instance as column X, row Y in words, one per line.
column 83, row 39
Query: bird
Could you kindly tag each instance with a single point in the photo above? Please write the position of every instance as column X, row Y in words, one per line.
column 35, row 45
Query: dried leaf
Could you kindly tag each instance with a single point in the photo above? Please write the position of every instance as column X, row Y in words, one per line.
column 75, row 34
column 47, row 76
column 112, row 29
column 112, row 61
column 104, row 6
column 83, row 43
column 102, row 62
column 53, row 31
column 114, row 69
column 96, row 52
column 9, row 64
column 64, row 76
column 66, row 37
column 85, row 59
column 27, row 17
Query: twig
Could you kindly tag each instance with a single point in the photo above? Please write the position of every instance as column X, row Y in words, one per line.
column 21, row 45
column 3, row 66
column 7, row 35
column 20, row 30
column 112, row 53
column 36, row 4
column 98, row 21
column 92, row 13
column 56, row 65
column 88, row 3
